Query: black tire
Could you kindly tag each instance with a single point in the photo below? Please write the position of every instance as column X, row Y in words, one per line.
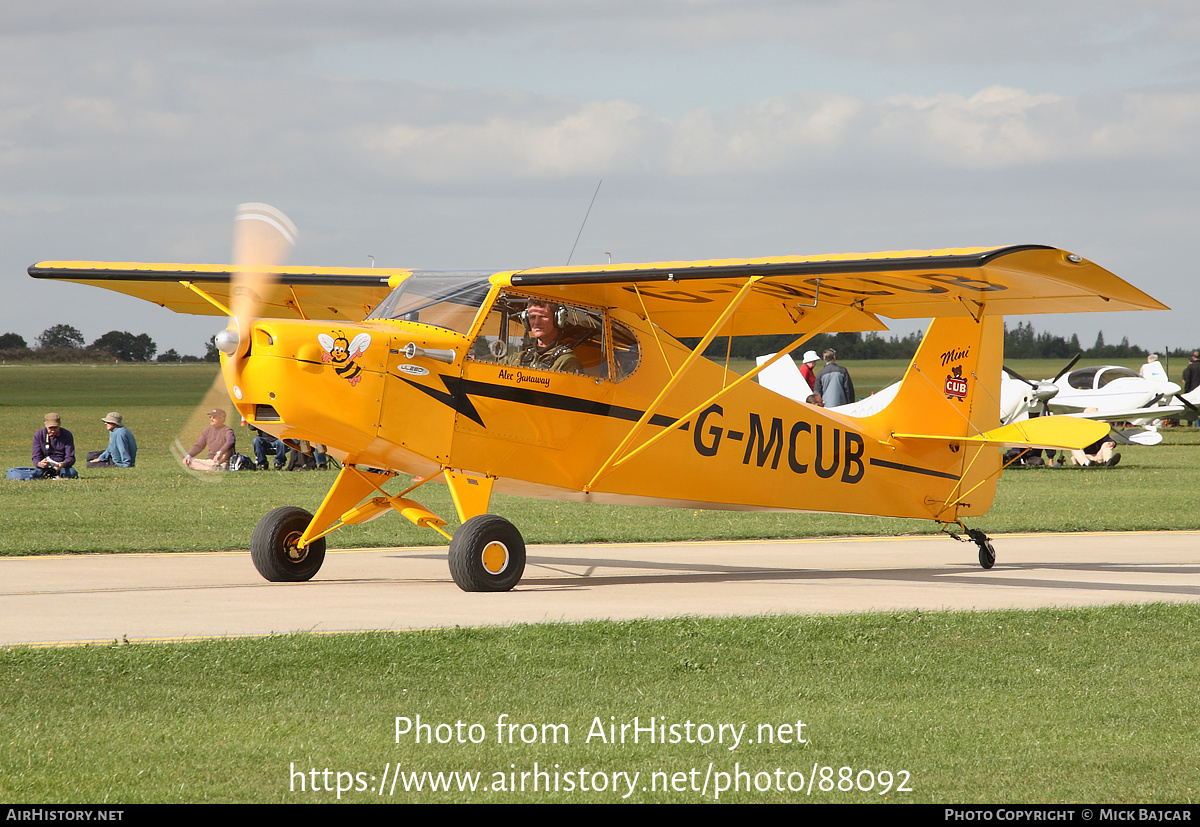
column 987, row 554
column 273, row 546
column 487, row 554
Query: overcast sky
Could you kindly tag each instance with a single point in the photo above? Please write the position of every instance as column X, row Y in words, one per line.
column 472, row 133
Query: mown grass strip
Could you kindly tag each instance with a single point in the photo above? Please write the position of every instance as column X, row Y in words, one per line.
column 1092, row 705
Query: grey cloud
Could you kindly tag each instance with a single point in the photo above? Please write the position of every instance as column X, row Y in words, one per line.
column 135, row 123
column 132, row 132
column 917, row 32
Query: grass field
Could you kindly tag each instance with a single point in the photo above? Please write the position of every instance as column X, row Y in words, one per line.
column 1093, row 705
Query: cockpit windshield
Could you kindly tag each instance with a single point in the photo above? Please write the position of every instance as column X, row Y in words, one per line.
column 444, row 298
column 1112, row 373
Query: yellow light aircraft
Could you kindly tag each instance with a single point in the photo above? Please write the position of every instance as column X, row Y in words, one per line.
column 571, row 383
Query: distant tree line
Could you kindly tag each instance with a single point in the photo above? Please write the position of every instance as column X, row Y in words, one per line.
column 64, row 343
column 1020, row 342
column 855, row 346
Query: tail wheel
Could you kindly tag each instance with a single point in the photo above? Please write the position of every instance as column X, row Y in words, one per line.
column 487, row 554
column 987, row 554
column 275, row 549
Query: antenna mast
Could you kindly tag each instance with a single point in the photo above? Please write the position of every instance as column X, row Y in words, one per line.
column 585, row 218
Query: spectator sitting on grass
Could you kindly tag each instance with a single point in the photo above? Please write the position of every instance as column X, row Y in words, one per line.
column 218, row 438
column 122, row 447
column 54, row 450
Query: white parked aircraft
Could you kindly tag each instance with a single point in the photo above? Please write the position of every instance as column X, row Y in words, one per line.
column 1118, row 393
column 1111, row 393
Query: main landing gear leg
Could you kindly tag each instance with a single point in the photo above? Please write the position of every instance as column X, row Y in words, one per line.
column 987, row 554
column 487, row 553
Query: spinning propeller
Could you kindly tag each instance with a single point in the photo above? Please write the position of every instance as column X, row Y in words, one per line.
column 263, row 238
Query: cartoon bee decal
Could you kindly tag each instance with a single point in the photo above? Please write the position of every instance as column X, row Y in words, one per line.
column 342, row 354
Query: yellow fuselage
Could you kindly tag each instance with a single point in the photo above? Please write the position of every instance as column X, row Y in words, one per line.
column 547, row 433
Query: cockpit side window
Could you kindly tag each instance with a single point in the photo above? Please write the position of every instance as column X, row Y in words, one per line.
column 626, row 353
column 533, row 332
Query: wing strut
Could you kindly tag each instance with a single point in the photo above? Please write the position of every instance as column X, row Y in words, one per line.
column 653, row 327
column 675, row 377
column 951, row 499
column 296, row 303
column 613, row 462
column 225, row 311
column 827, row 325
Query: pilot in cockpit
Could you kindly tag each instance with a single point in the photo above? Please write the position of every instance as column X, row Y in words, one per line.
column 546, row 350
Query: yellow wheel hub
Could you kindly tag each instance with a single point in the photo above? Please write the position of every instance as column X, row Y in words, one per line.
column 495, row 557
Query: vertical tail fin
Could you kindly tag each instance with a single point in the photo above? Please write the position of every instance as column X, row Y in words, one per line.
column 952, row 385
column 952, row 388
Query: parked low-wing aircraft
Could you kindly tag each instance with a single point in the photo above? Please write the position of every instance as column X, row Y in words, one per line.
column 1117, row 394
column 1104, row 393
column 571, row 383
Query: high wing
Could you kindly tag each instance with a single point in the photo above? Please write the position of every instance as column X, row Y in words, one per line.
column 345, row 293
column 684, row 297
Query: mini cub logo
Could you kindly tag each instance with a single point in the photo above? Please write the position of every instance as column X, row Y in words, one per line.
column 342, row 354
column 956, row 386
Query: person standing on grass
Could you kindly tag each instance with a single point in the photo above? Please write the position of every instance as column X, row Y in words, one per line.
column 833, row 382
column 1191, row 378
column 1153, row 369
column 808, row 369
column 1191, row 373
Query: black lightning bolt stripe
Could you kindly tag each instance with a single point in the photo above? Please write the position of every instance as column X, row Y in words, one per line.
column 453, row 397
column 458, row 395
column 912, row 469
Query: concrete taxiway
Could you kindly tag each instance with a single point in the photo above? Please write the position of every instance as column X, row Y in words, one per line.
column 139, row 597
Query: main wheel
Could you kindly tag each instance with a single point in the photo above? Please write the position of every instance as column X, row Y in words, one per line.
column 987, row 554
column 487, row 554
column 274, row 549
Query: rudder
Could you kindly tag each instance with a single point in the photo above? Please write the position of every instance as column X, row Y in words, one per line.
column 952, row 385
column 952, row 388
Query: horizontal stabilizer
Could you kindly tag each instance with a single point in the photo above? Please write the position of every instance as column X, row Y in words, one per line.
column 1051, row 432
